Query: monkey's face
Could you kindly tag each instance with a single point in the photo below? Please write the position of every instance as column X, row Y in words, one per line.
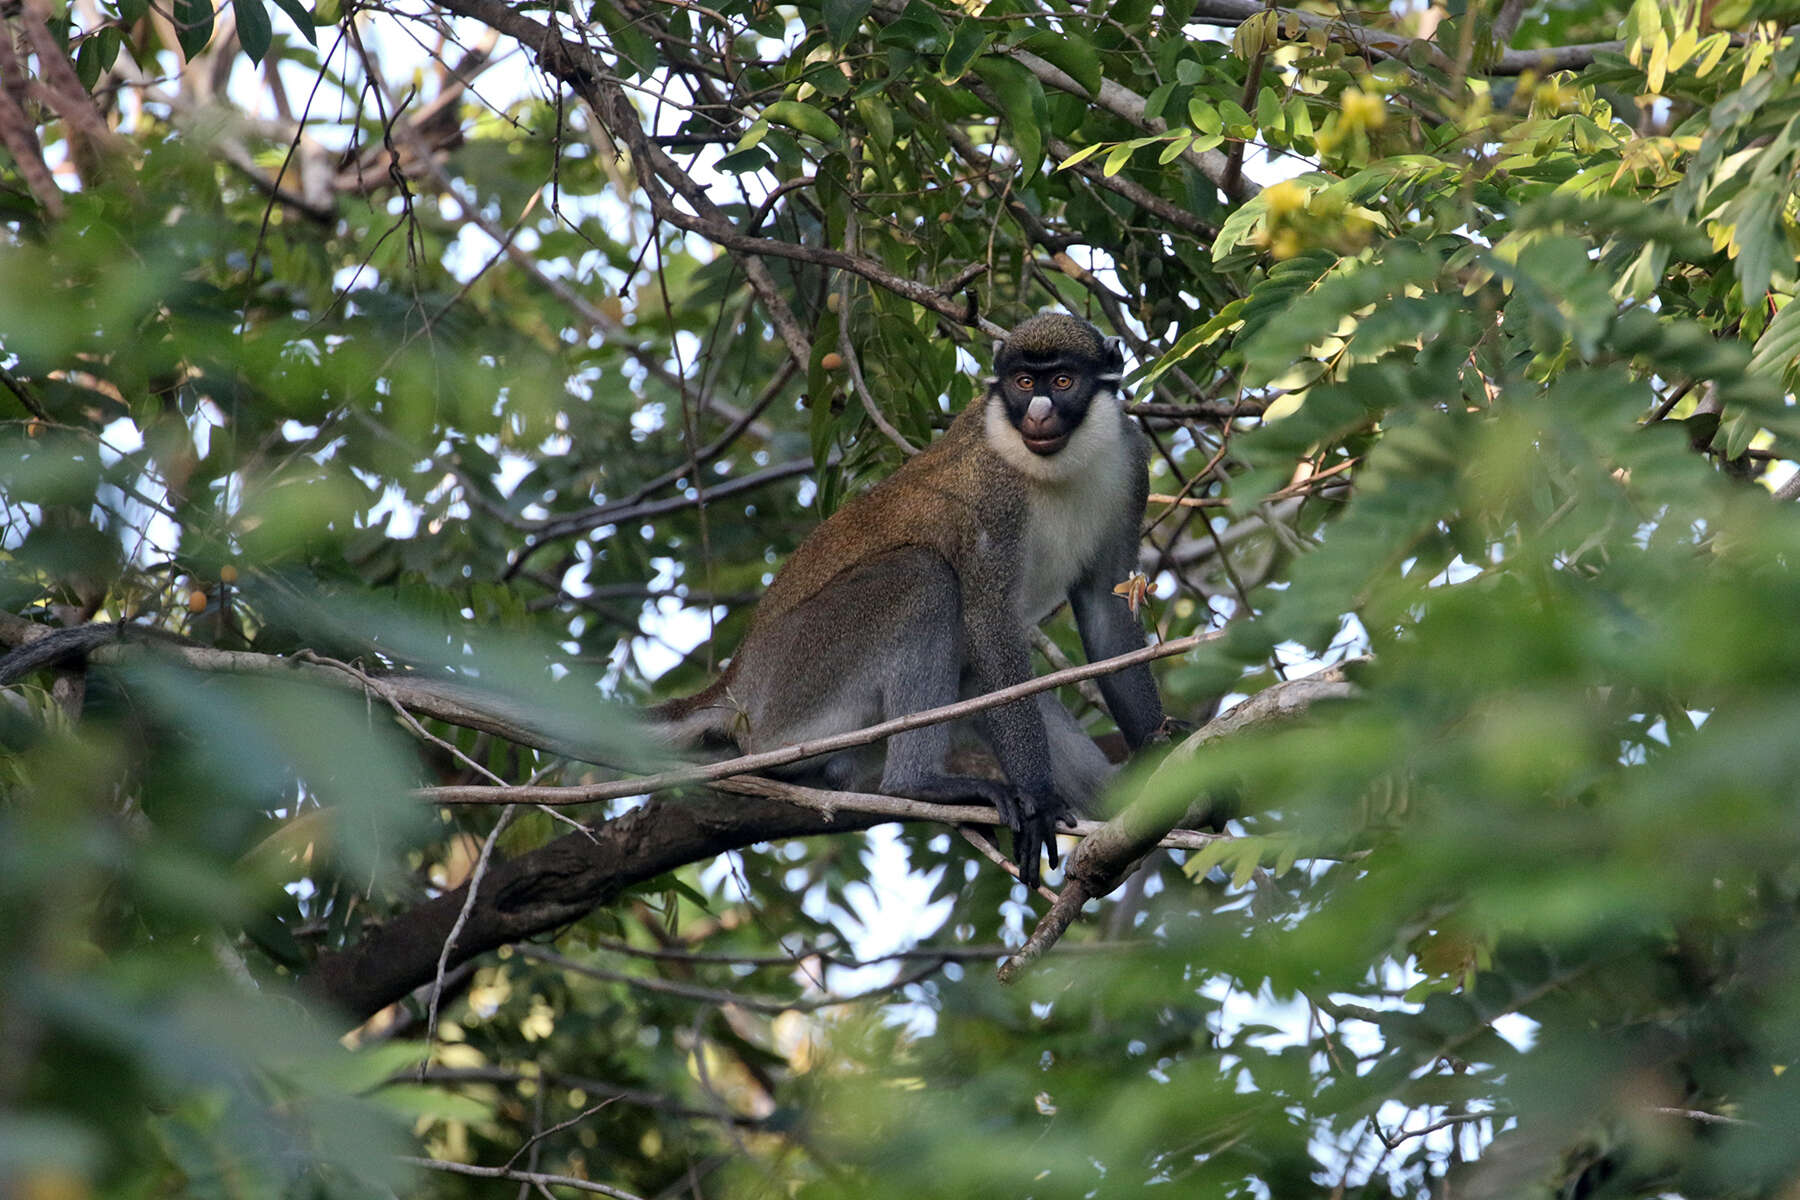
column 1047, row 397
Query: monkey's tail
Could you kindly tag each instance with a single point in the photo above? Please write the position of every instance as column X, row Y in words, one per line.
column 707, row 719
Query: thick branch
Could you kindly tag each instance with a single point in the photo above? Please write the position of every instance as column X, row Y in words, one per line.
column 1375, row 43
column 547, row 888
column 1137, row 193
column 1103, row 861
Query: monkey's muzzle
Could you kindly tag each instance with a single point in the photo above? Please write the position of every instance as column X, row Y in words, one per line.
column 1045, row 438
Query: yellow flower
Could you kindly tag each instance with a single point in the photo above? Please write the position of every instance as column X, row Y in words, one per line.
column 1363, row 110
column 1284, row 198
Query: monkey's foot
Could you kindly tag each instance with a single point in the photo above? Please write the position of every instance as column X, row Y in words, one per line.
column 1033, row 822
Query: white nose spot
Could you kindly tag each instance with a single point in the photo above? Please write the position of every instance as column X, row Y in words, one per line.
column 1040, row 408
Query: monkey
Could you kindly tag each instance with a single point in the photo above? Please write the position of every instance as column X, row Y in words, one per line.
column 926, row 588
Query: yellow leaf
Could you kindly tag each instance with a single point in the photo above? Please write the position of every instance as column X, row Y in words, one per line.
column 1712, row 49
column 1682, row 48
column 1659, row 63
column 1245, row 869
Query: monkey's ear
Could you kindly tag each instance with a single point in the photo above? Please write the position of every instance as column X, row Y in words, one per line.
column 1115, row 353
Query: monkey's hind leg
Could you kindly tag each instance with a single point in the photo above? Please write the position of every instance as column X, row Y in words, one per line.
column 922, row 669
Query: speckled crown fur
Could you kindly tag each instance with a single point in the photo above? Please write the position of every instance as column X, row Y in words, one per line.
column 1048, row 332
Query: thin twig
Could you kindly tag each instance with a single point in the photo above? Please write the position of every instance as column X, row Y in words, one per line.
column 767, row 1005
column 462, row 917
column 568, row 1181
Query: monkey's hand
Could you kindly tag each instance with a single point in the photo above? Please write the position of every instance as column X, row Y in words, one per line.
column 1033, row 821
column 1032, row 818
column 1172, row 729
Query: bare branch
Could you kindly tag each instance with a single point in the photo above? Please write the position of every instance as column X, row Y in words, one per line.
column 894, row 808
column 768, row 1005
column 533, row 1177
column 1375, row 43
column 1103, row 861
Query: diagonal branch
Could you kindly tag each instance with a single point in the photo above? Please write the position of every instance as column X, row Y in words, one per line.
column 1103, row 861
column 663, row 180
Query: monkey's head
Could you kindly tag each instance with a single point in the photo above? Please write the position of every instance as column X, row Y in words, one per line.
column 1048, row 372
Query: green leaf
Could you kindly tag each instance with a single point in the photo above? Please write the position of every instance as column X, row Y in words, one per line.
column 1209, row 856
column 1736, row 434
column 842, row 18
column 1237, row 227
column 967, row 41
column 1268, row 109
column 1074, row 56
column 804, row 118
column 1081, row 155
column 253, row 27
column 1204, row 116
column 1177, row 146
column 1319, row 313
column 87, row 62
column 1157, row 101
column 1299, row 117
column 1191, row 341
column 193, row 25
column 878, row 120
column 1756, row 229
column 1027, row 114
column 300, row 16
column 1777, row 352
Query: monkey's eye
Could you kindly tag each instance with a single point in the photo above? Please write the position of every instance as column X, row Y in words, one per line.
column 1063, row 383
column 1024, row 382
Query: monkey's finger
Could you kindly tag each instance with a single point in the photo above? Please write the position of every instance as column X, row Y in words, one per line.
column 1027, row 849
column 1008, row 805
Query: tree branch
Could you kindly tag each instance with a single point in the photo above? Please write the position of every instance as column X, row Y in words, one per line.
column 894, row 808
column 1103, row 861
column 442, row 699
column 547, row 888
column 1376, row 43
column 530, row 1177
column 750, row 763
